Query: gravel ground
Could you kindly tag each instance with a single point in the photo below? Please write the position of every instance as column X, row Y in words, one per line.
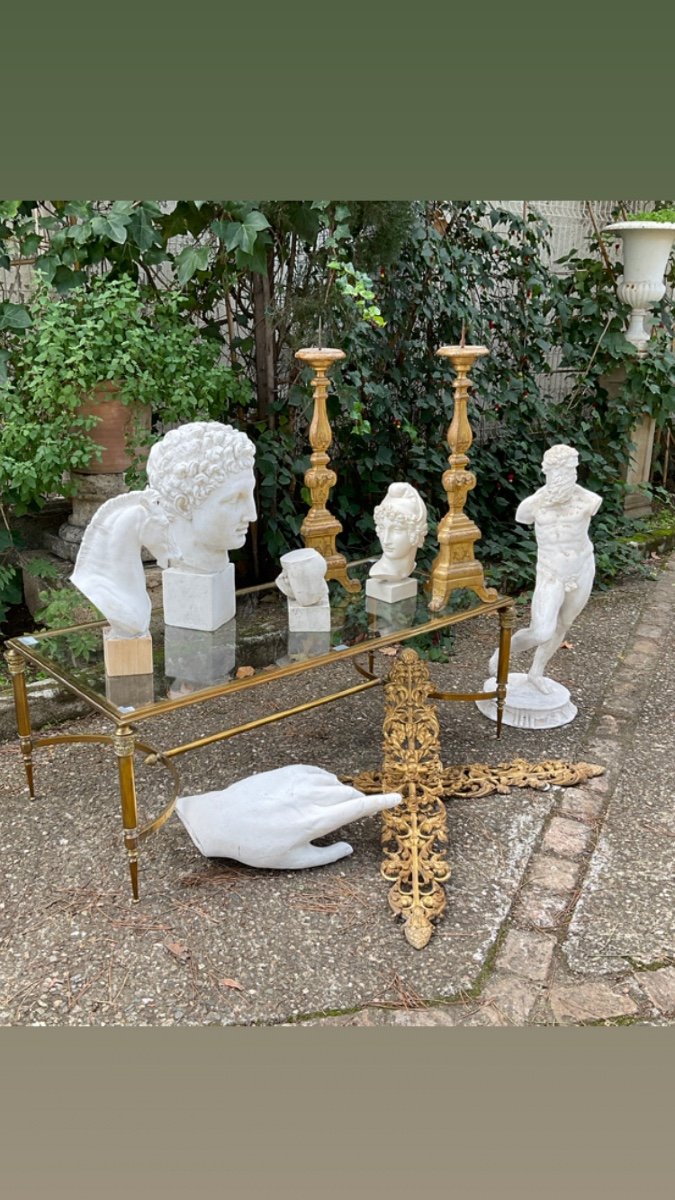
column 213, row 942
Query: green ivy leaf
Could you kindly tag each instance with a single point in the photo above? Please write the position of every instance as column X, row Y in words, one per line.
column 78, row 208
column 256, row 220
column 122, row 208
column 142, row 231
column 64, row 279
column 256, row 260
column 80, row 233
column 47, row 264
column 117, row 227
column 14, row 316
column 114, row 226
column 190, row 260
column 220, row 228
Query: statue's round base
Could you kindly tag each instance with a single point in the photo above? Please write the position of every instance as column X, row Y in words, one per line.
column 527, row 707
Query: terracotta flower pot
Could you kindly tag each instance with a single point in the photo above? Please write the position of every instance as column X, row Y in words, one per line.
column 117, row 423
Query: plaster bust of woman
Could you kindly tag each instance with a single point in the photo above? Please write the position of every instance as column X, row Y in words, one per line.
column 401, row 526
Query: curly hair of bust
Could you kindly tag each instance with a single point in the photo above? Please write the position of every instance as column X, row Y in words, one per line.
column 188, row 463
column 560, row 455
column 403, row 507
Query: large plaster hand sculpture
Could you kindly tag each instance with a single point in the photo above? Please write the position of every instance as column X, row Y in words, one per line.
column 561, row 512
column 271, row 819
column 197, row 507
column 401, row 526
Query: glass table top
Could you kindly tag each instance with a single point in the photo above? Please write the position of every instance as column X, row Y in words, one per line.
column 256, row 645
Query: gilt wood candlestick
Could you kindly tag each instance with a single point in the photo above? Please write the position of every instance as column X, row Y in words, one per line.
column 319, row 528
column 455, row 565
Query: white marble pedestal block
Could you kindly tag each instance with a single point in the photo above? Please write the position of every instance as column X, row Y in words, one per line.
column 198, row 655
column 198, row 601
column 391, row 592
column 127, row 656
column 527, row 707
column 304, row 618
column 308, row 643
column 391, row 617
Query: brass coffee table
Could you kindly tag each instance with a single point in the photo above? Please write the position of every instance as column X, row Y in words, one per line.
column 196, row 668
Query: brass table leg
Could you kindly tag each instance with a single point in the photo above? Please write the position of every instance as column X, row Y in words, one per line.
column 17, row 669
column 123, row 745
column 413, row 833
column 507, row 619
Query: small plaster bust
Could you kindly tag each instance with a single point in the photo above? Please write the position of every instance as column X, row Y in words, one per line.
column 203, row 475
column 401, row 526
column 303, row 577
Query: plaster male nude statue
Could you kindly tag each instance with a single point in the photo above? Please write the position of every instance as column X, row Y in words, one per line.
column 561, row 512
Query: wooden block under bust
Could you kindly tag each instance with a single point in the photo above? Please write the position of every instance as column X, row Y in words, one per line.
column 127, row 656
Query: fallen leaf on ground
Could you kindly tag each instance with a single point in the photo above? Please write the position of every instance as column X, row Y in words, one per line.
column 178, row 949
column 245, row 672
column 389, row 649
column 231, row 983
column 567, row 645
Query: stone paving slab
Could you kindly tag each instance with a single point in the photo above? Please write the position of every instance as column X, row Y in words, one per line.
column 659, row 986
column 626, row 914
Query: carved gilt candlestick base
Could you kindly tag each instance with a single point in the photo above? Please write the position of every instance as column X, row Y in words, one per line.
column 319, row 528
column 455, row 565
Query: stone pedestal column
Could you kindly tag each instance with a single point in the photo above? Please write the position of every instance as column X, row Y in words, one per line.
column 638, row 468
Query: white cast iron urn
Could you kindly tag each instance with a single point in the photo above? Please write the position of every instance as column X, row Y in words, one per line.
column 646, row 250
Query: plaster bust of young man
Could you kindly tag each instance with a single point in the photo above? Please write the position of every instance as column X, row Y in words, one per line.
column 561, row 512
column 202, row 474
column 197, row 507
column 401, row 526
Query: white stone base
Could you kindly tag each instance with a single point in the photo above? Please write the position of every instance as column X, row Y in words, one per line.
column 127, row 656
column 391, row 591
column 194, row 601
column 528, row 708
column 198, row 655
column 308, row 618
column 391, row 617
column 308, row 643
